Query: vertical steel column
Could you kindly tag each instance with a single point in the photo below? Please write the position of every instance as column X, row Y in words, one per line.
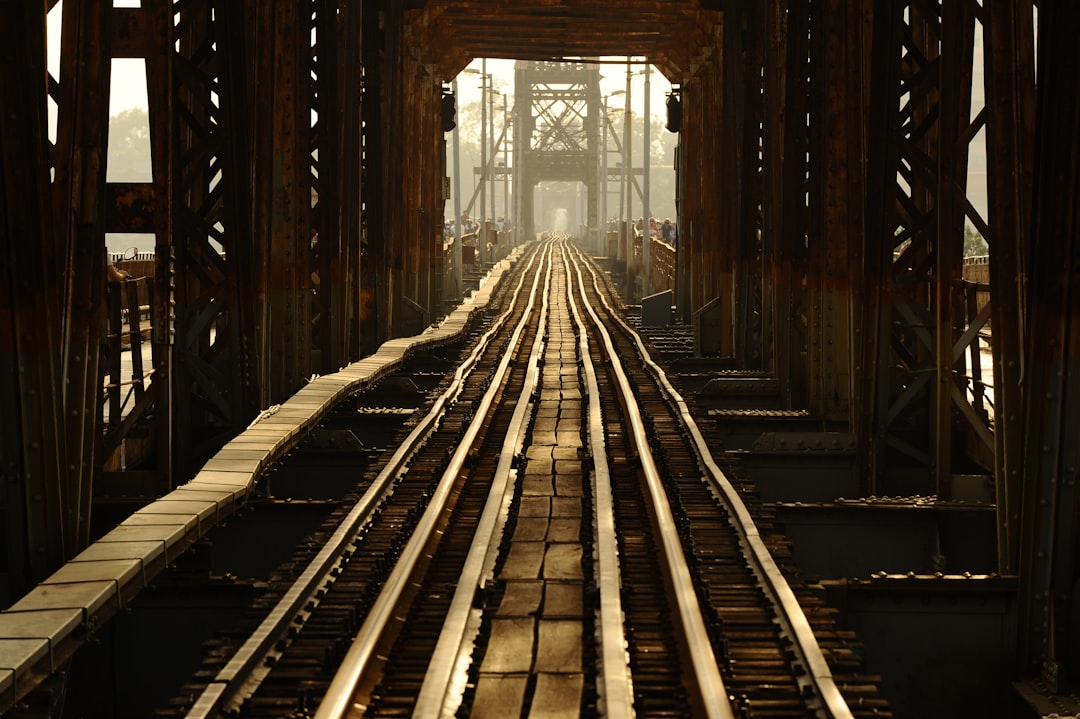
column 914, row 327
column 429, row 234
column 79, row 201
column 395, row 109
column 283, row 182
column 524, row 185
column 521, row 189
column 839, row 69
column 626, row 246
column 507, row 141
column 792, row 263
column 1010, row 101
column 481, row 238
column 704, row 106
column 32, row 441
column 373, row 263
column 646, row 223
column 244, row 331
column 414, row 212
column 774, row 96
column 872, row 315
column 219, row 360
column 337, row 153
column 723, row 221
column 335, row 177
column 1048, row 569
column 746, row 85
column 418, row 202
column 493, row 151
column 594, row 139
column 957, row 43
column 189, row 180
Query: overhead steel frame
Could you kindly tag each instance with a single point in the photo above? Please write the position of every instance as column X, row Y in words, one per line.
column 557, row 113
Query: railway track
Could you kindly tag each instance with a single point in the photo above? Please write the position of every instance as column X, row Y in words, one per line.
column 552, row 537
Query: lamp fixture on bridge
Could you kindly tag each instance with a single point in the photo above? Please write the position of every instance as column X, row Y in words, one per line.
column 674, row 110
column 449, row 110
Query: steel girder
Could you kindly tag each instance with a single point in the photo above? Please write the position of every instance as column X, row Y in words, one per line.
column 267, row 210
column 338, row 197
column 821, row 144
column 1010, row 92
column 215, row 351
column 35, row 500
column 79, row 206
column 916, row 412
column 839, row 72
column 786, row 191
column 409, row 237
column 258, row 283
column 705, row 186
column 1051, row 373
column 54, row 282
column 373, row 244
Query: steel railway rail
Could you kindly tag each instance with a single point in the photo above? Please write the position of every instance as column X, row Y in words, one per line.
column 243, row 674
column 809, row 666
column 552, row 535
column 441, row 690
column 654, row 555
column 41, row 632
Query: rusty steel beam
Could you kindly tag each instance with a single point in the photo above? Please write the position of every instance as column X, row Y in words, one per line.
column 36, row 536
column 793, row 263
column 840, row 69
column 1050, row 527
column 338, row 202
column 872, row 322
column 79, row 203
column 773, row 216
column 394, row 107
column 159, row 83
column 373, row 263
column 722, row 248
column 913, row 324
column 746, row 84
column 244, row 289
column 957, row 46
column 1010, row 101
column 282, row 160
column 213, row 383
column 700, row 217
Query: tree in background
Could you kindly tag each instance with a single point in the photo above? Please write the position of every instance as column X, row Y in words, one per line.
column 129, row 161
column 129, row 147
column 974, row 244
